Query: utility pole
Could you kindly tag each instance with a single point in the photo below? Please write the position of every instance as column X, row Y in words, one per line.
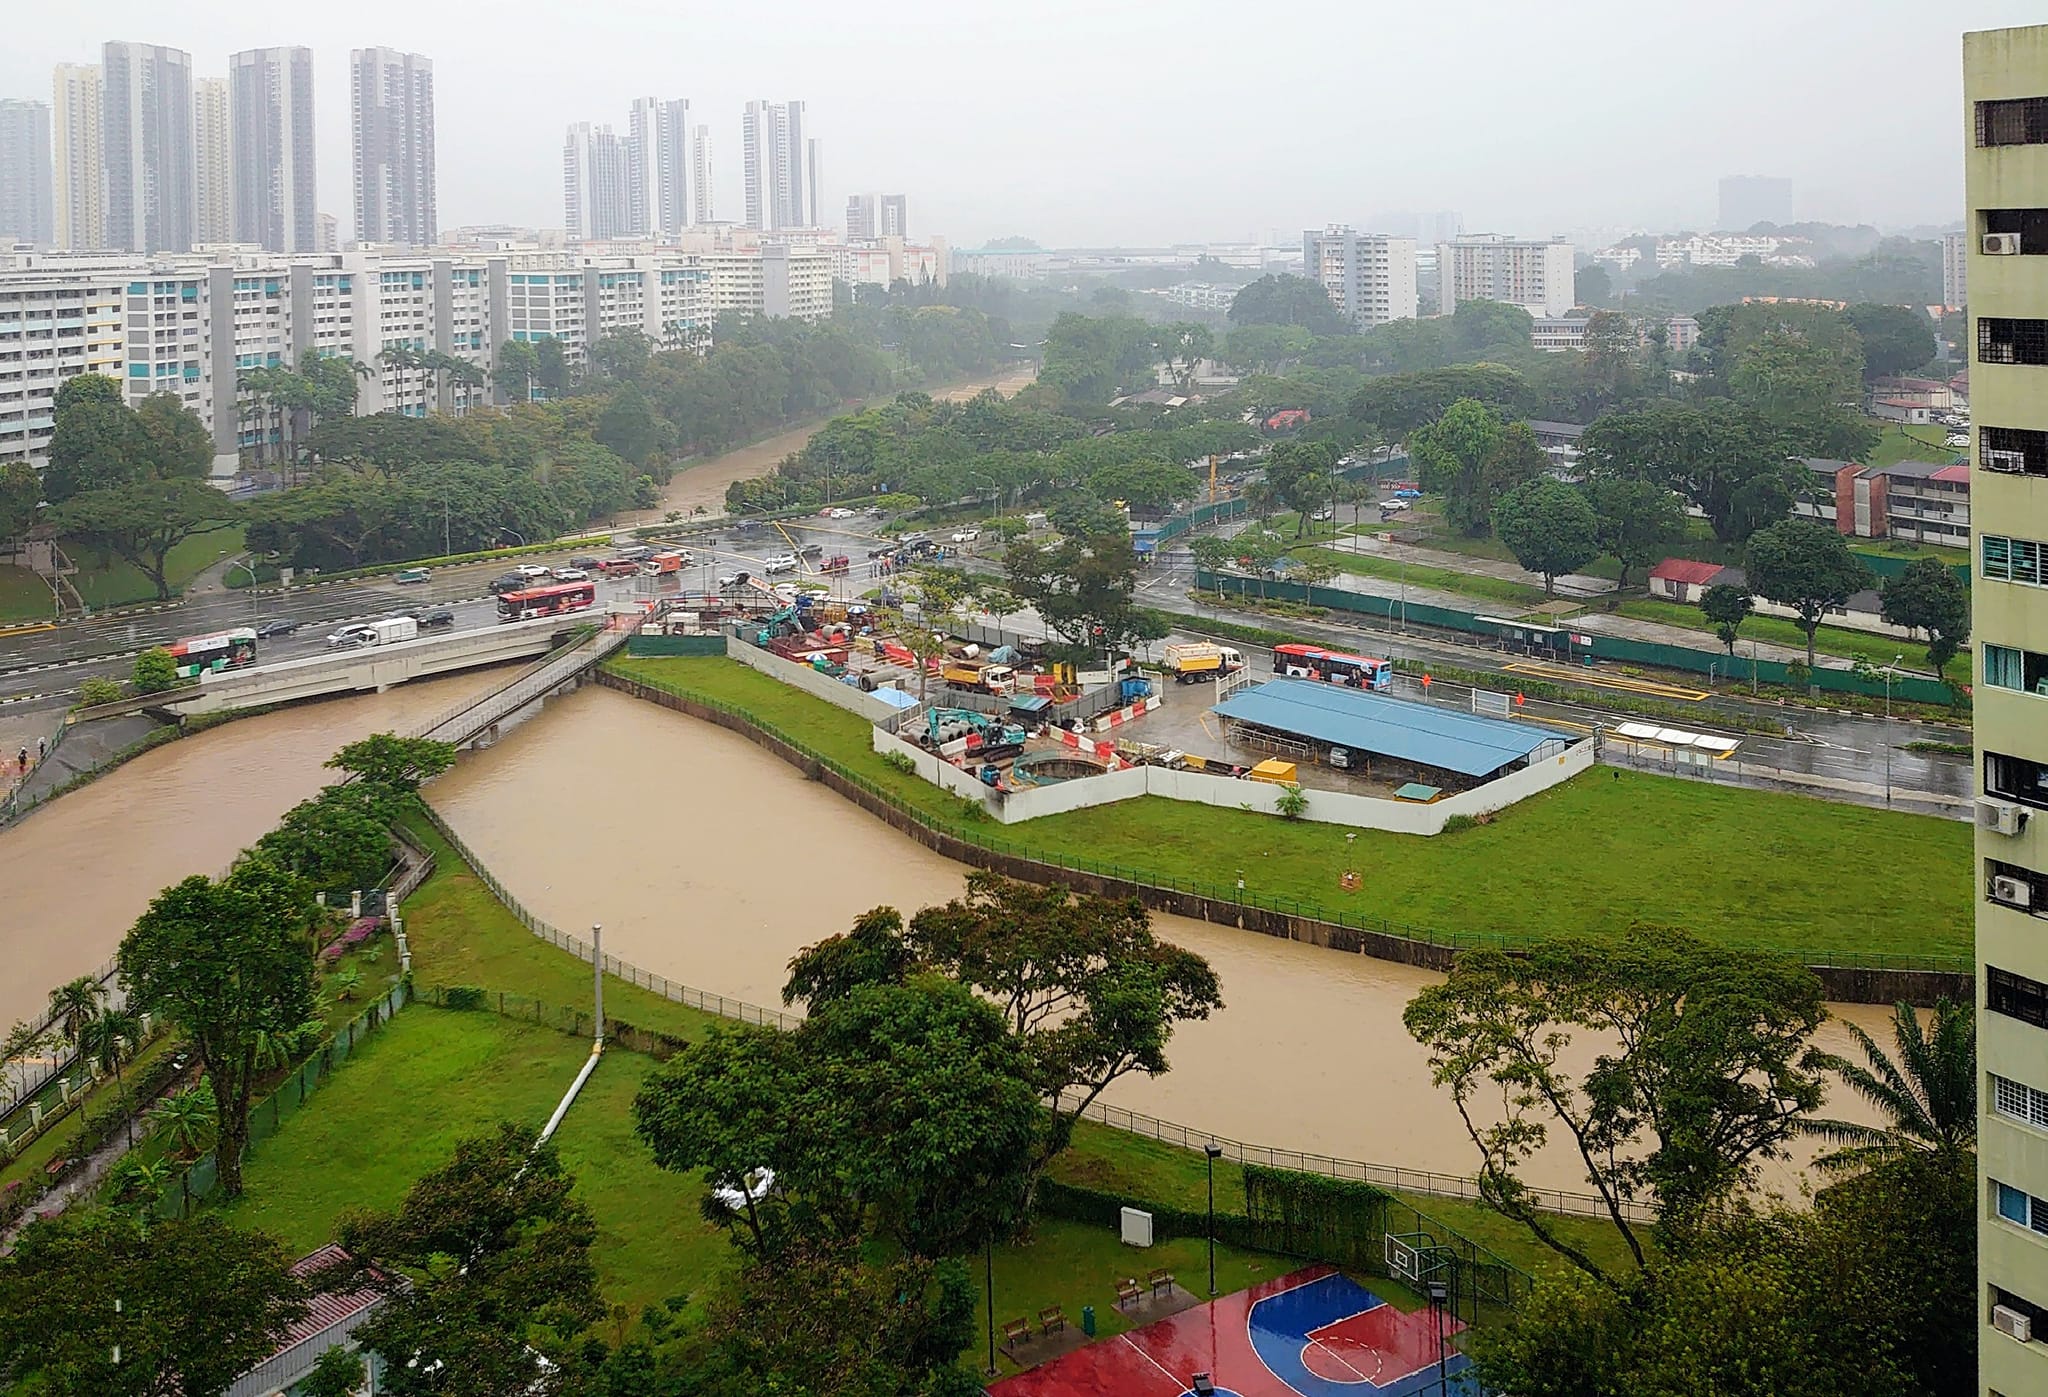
column 597, row 976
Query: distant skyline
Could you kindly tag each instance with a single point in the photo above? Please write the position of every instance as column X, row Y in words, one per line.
column 1082, row 123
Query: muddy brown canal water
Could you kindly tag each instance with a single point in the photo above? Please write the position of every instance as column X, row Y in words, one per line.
column 711, row 862
column 75, row 875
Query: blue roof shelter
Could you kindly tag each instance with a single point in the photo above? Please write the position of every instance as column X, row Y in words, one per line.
column 1421, row 734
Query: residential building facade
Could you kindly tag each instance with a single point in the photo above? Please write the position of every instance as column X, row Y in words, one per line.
column 53, row 325
column 658, row 166
column 213, row 164
column 1914, row 501
column 391, row 126
column 2005, row 175
column 773, row 152
column 1955, row 271
column 1370, row 277
column 146, row 147
column 597, row 193
column 78, row 174
column 703, row 207
column 277, row 204
column 27, row 193
column 1538, row 276
column 895, row 215
column 1554, row 334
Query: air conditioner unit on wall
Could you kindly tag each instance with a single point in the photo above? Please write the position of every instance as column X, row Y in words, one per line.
column 2013, row 1323
column 2010, row 462
column 2000, row 816
column 2001, row 244
column 2014, row 892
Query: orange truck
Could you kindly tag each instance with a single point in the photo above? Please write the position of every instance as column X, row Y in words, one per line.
column 665, row 563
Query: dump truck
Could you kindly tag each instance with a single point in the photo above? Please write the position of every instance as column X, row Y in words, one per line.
column 979, row 675
column 1190, row 663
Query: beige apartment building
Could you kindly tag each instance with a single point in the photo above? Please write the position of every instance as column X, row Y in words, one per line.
column 2005, row 126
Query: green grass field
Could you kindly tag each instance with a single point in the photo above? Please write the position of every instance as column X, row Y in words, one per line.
column 1902, row 443
column 1877, row 650
column 1491, row 589
column 108, row 581
column 1742, row 867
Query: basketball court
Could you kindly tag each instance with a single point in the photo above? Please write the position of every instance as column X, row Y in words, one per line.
column 1312, row 1333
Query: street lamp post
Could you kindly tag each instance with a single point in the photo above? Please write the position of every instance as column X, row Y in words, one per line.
column 989, row 1275
column 1888, row 671
column 1211, row 1153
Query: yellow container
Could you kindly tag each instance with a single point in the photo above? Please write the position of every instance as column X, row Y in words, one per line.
column 1273, row 769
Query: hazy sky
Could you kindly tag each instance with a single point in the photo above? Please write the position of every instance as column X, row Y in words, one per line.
column 1094, row 122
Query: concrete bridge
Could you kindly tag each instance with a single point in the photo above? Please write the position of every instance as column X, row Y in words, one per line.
column 370, row 668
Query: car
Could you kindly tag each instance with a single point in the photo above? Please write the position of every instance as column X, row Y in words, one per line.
column 780, row 563
column 618, row 567
column 1407, row 494
column 571, row 575
column 587, row 564
column 352, row 635
column 510, row 582
column 884, row 551
column 966, row 535
column 432, row 617
column 839, row 514
column 277, row 626
column 729, row 580
column 1958, row 439
column 534, row 571
column 412, row 575
column 811, row 550
column 636, row 553
column 1323, row 515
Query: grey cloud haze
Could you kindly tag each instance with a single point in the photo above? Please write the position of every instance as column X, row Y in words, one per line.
column 1101, row 123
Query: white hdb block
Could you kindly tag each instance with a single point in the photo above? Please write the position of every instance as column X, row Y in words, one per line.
column 1137, row 1226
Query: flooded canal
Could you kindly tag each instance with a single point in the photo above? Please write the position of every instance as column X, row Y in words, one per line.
column 74, row 876
column 711, row 862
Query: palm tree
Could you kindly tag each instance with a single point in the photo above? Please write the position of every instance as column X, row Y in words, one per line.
column 110, row 1039
column 74, row 1004
column 187, row 1119
column 1927, row 1095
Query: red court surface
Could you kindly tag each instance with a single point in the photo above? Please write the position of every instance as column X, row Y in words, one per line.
column 1312, row 1333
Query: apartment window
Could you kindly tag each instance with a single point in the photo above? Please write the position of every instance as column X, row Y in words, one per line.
column 2016, row 121
column 2005, row 341
column 2013, row 560
column 2037, row 1317
column 2014, row 450
column 2016, row 997
column 2016, row 778
column 2015, row 886
column 2019, row 1207
column 2019, row 1102
column 2008, row 668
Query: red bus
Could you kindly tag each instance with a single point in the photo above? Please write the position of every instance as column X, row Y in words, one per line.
column 198, row 654
column 546, row 601
column 1333, row 666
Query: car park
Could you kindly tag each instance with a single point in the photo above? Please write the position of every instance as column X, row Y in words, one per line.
column 412, row 575
column 434, row 617
column 271, row 629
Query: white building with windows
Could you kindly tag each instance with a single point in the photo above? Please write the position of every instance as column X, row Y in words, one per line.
column 1955, row 276
column 53, row 325
column 1538, row 276
column 1370, row 277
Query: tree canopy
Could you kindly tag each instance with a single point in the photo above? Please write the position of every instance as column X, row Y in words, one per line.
column 1288, row 300
column 1804, row 564
column 1549, row 527
column 1928, row 596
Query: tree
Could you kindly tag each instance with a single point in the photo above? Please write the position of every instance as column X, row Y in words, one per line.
column 1549, row 528
column 226, row 961
column 156, row 671
column 189, row 1119
column 1727, row 607
column 107, row 1042
column 1144, row 484
column 1083, row 587
column 400, row 765
column 551, row 367
column 1593, row 285
column 1288, row 300
column 102, row 1305
column 1084, row 985
column 1471, row 459
column 21, row 490
column 1926, row 1095
column 1702, row 1074
column 75, row 1004
column 178, row 444
column 25, row 1042
column 143, row 521
column 1302, row 474
column 337, row 1372
column 1929, row 597
column 1896, row 339
column 514, row 369
column 1808, row 390
column 1636, row 522
column 1212, row 554
column 1804, row 564
column 1266, row 348
column 628, row 426
column 338, row 841
column 499, row 1249
column 621, row 355
column 898, row 1109
column 97, row 442
column 1723, row 459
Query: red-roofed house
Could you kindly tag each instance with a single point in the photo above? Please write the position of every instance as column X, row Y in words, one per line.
column 1682, row 579
column 331, row 1316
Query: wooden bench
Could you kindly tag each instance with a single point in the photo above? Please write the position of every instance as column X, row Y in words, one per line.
column 1127, row 1292
column 1051, row 1320
column 1161, row 1281
column 1016, row 1331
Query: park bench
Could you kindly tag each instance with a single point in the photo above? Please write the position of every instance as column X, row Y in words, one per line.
column 1127, row 1292
column 1161, row 1281
column 1016, row 1331
column 1051, row 1320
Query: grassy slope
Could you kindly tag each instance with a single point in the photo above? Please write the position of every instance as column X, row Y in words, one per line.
column 1494, row 589
column 1901, row 443
column 1746, row 867
column 1828, row 640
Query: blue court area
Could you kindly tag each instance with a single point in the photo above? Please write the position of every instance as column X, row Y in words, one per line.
column 1419, row 734
column 1313, row 1333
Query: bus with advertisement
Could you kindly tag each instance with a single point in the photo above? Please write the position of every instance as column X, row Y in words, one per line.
column 209, row 654
column 1332, row 666
column 557, row 600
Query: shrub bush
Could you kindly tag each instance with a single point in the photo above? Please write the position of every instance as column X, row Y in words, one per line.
column 1458, row 824
column 462, row 997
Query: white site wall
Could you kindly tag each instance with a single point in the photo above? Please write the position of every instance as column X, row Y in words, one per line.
column 1111, row 786
column 809, row 680
column 938, row 771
